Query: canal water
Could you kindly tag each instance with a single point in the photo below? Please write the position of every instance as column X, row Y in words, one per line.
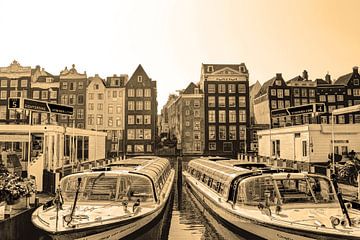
column 184, row 217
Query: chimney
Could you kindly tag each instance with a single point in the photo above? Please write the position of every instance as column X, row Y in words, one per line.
column 355, row 69
column 278, row 76
column 328, row 78
column 96, row 75
column 305, row 75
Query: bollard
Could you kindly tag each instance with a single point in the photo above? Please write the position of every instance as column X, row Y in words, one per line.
column 36, row 202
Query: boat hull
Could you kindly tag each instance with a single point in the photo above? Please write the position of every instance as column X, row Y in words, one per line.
column 117, row 230
column 240, row 224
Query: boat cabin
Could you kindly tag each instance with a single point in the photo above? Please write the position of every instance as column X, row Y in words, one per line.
column 129, row 180
column 252, row 183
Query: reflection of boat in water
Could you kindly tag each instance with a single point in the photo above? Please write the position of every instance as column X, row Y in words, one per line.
column 221, row 229
column 271, row 203
column 110, row 202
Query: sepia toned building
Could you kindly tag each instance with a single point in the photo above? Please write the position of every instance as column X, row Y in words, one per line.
column 73, row 92
column 44, row 87
column 115, row 114
column 15, row 81
column 226, row 107
column 140, row 113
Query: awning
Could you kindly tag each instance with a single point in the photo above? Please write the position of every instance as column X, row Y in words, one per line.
column 13, row 138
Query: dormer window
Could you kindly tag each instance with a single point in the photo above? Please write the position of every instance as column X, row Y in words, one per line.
column 196, row 90
column 49, row 79
column 96, row 86
column 356, row 81
column 210, row 68
column 278, row 82
column 140, row 79
column 242, row 69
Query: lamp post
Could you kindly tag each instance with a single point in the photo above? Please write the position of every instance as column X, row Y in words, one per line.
column 355, row 108
column 29, row 145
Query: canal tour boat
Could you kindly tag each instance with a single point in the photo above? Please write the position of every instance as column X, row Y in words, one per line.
column 108, row 203
column 271, row 203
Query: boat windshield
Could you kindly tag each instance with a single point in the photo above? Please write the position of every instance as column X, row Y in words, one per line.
column 272, row 191
column 100, row 187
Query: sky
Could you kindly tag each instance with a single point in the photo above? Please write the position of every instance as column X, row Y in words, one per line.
column 172, row 38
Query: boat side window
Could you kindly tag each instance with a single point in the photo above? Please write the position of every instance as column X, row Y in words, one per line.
column 322, row 189
column 254, row 190
column 137, row 187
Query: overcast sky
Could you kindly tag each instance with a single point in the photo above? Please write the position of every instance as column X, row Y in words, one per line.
column 172, row 38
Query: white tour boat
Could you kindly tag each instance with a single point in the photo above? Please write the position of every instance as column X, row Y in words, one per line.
column 110, row 202
column 271, row 203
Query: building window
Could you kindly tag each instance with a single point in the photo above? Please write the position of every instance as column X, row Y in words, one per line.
column 287, row 92
column 211, row 115
column 280, row 93
column 242, row 116
column 227, row 147
column 297, row 102
column 231, row 88
column 99, row 119
column 139, row 79
column 212, row 132
column 222, row 116
column 129, row 147
column 242, row 101
column 139, row 92
column 147, row 92
column 304, row 101
column 99, row 106
column 131, row 92
column 349, row 92
column 64, row 85
column 211, row 88
column 91, row 106
column 53, row 94
column 211, row 101
column 222, row 88
column 80, row 99
column 80, row 114
column 232, row 132
column 118, row 122
column 340, row 97
column 36, row 94
column 356, row 92
column 131, row 119
column 131, row 134
column 311, row 92
column 72, row 99
column 242, row 88
column 14, row 83
column 287, row 103
column 341, row 119
column 96, row 87
column 331, row 98
column 296, row 92
column 90, row 119
column 114, row 94
column 139, row 105
column 139, row 133
column 3, row 112
column 196, row 135
column 212, row 146
column 210, row 68
column 139, row 119
column 232, row 116
column 24, row 83
column 187, row 103
column 196, row 103
column 273, row 104
column 131, row 105
column 304, row 92
column 232, row 101
column 118, row 108
column 273, row 92
column 147, row 134
column 304, row 149
column 197, row 125
column 280, row 104
column 322, row 98
column 187, row 112
column 221, row 101
column 100, row 96
column 3, row 83
column 72, row 86
column 275, row 148
column 187, row 123
column 3, row 94
column 196, row 113
column 80, row 85
column 356, row 82
column 64, row 99
column 147, row 105
column 222, row 132
column 110, row 108
column 147, row 119
column 242, row 132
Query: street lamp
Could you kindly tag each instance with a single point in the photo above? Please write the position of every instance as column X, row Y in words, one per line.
column 340, row 111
